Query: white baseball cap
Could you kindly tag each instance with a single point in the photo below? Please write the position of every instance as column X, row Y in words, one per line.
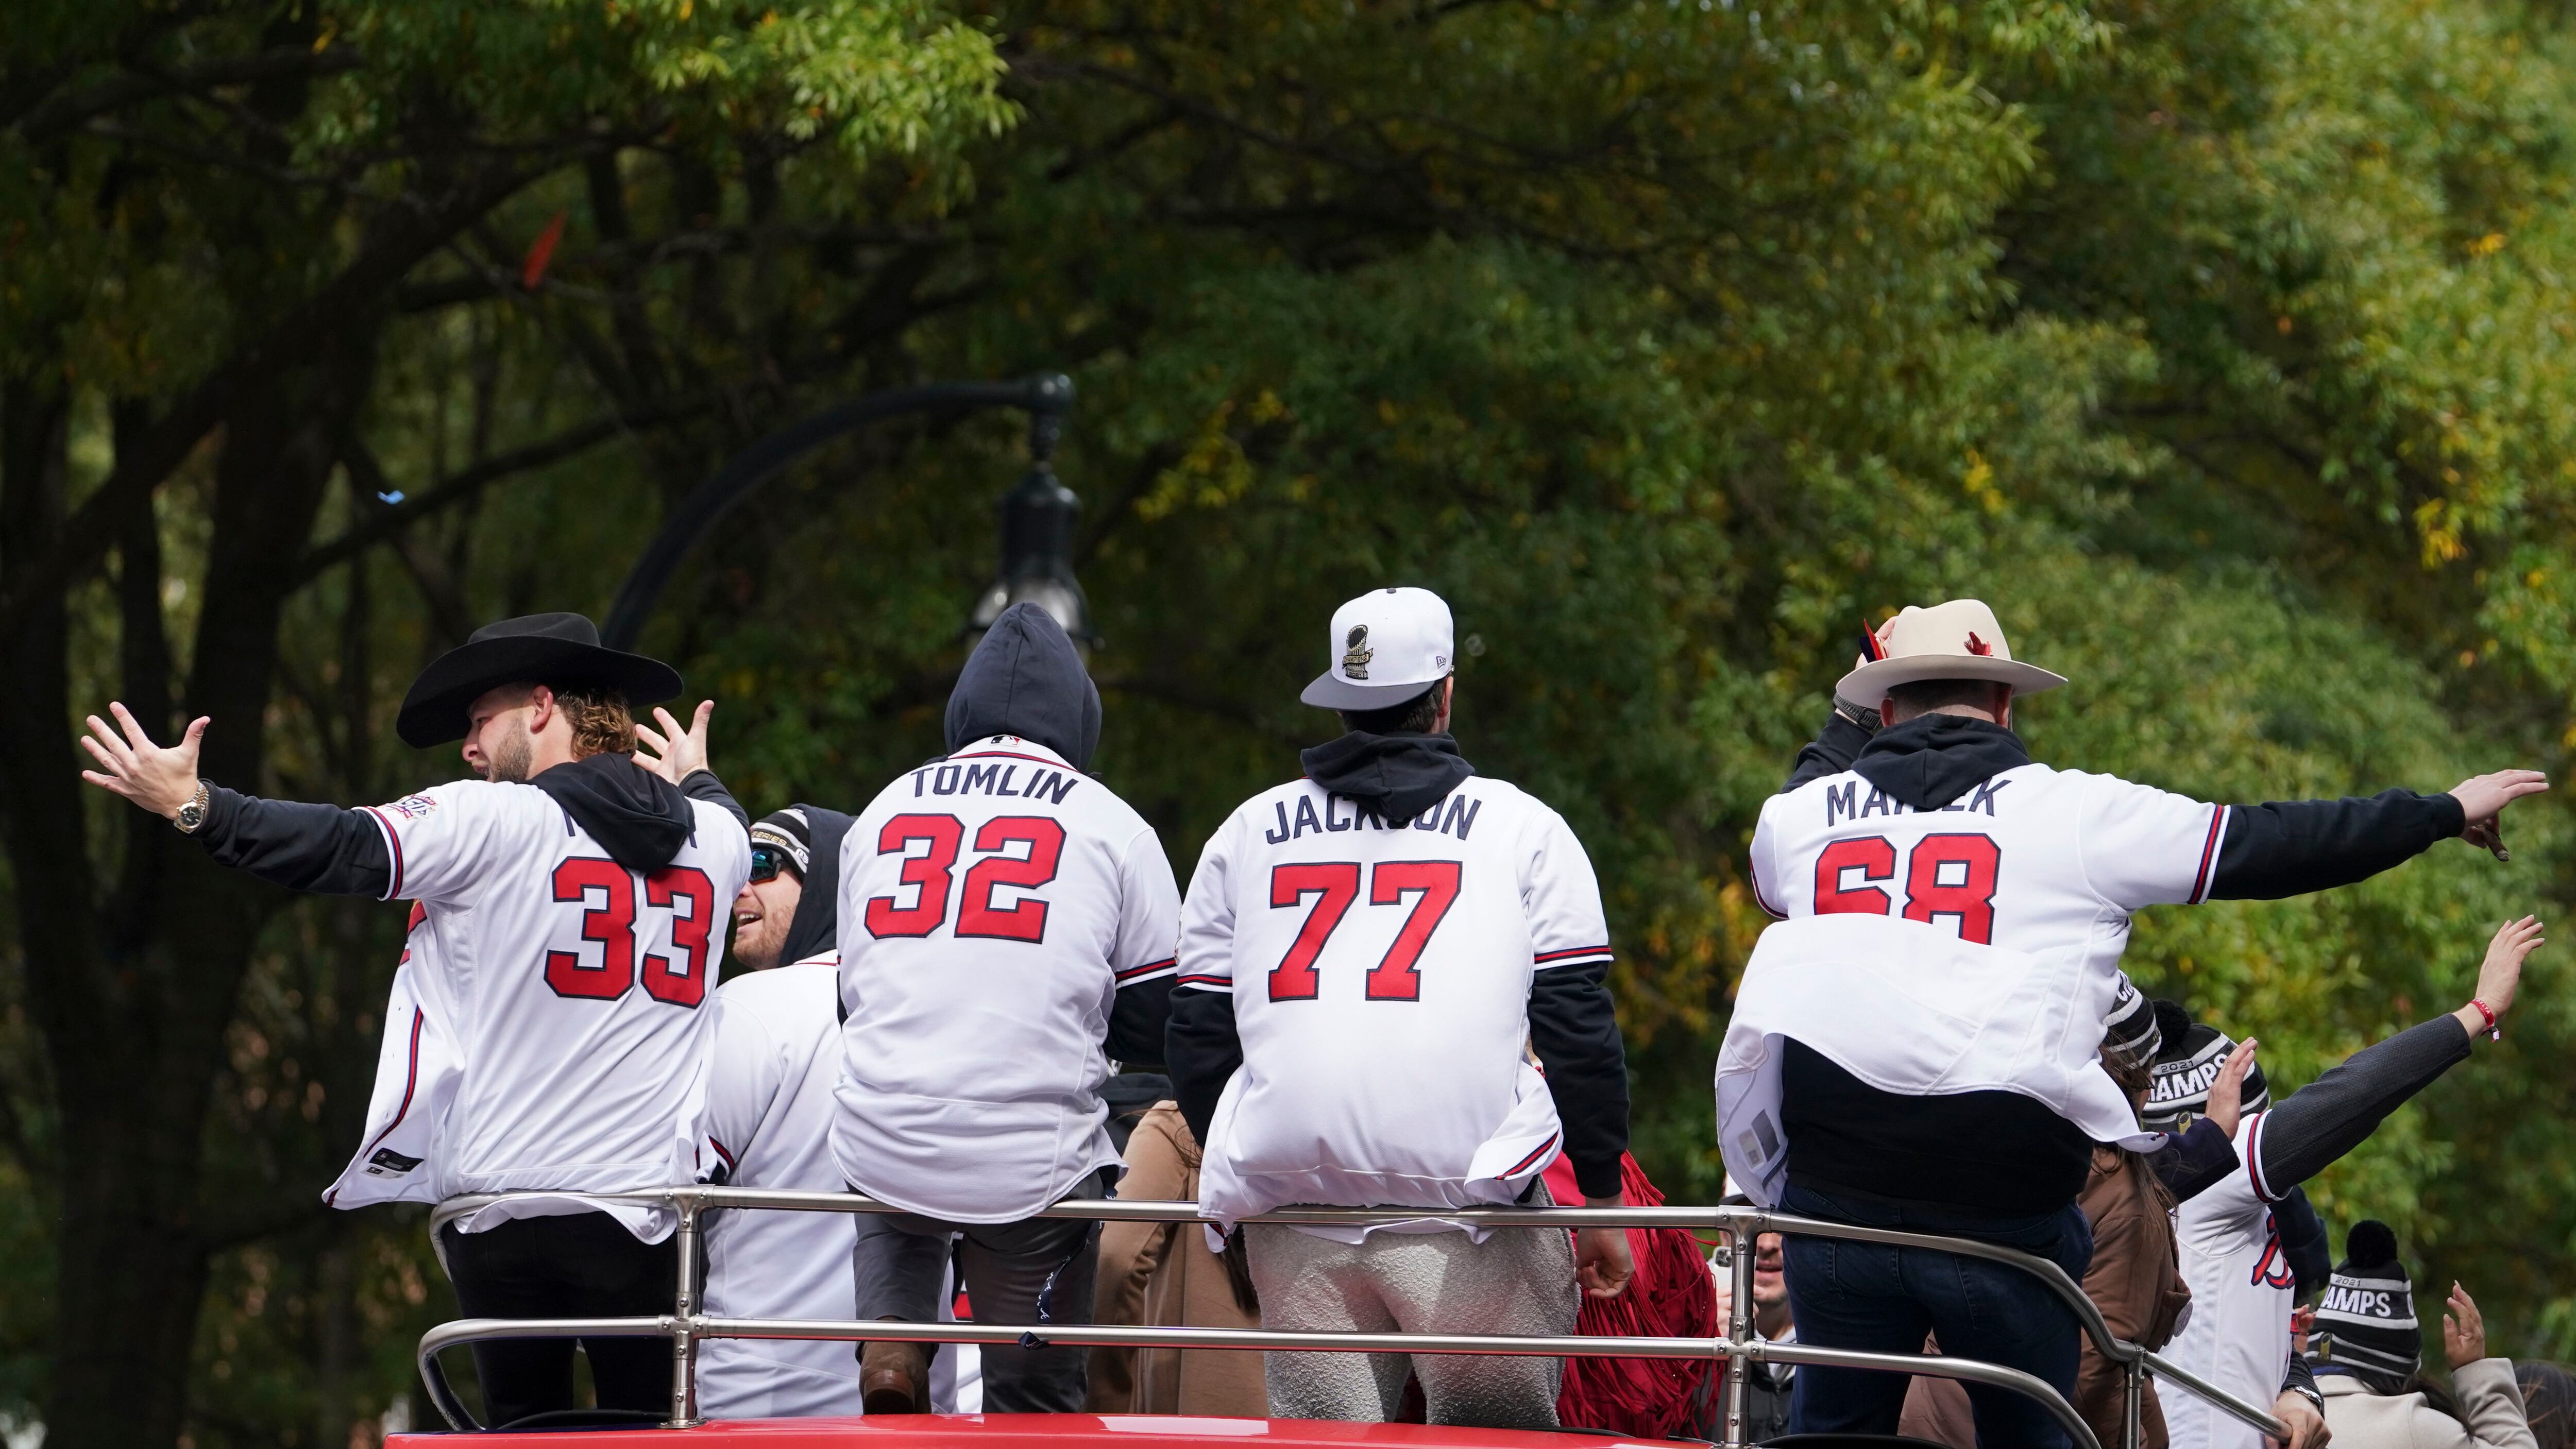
column 1388, row 645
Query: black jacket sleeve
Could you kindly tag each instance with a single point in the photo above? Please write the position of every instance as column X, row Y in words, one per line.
column 1830, row 753
column 1201, row 1052
column 302, row 847
column 1138, row 1018
column 2196, row 1161
column 2299, row 1377
column 2335, row 1113
column 2290, row 848
column 703, row 785
column 2303, row 1242
column 1576, row 1034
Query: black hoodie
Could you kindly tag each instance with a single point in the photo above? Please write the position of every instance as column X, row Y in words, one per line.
column 1395, row 776
column 1025, row 679
column 641, row 820
column 816, row 926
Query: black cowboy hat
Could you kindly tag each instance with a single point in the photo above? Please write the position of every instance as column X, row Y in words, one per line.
column 559, row 651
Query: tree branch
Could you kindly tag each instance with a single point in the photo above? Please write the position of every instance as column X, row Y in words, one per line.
column 385, row 523
column 63, row 111
column 408, row 232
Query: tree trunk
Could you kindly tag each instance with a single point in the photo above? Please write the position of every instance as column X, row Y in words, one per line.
column 135, row 1017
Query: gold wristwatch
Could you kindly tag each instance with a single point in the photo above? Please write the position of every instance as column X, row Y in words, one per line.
column 193, row 814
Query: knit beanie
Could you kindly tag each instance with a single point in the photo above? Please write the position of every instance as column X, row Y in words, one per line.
column 2186, row 1064
column 2366, row 1320
column 791, row 833
column 2129, row 1033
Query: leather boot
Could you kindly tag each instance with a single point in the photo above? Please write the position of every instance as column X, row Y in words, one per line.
column 894, row 1378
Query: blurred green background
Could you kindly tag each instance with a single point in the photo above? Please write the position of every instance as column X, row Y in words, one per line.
column 2224, row 346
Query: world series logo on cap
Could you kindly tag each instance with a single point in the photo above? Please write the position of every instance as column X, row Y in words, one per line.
column 1355, row 659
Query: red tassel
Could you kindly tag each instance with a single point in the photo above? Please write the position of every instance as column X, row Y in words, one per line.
column 540, row 252
column 1671, row 1296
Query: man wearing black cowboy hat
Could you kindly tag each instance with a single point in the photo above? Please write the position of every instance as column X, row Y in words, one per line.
column 574, row 898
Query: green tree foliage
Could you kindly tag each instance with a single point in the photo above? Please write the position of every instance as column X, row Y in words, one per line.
column 2221, row 345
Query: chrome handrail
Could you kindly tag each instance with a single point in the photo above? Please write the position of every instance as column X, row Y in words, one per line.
column 1738, row 1348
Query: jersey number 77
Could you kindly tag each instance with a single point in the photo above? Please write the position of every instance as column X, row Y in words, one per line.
column 1335, row 884
column 1947, row 877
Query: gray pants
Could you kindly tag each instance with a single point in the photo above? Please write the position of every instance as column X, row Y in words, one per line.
column 1036, row 1271
column 1518, row 1281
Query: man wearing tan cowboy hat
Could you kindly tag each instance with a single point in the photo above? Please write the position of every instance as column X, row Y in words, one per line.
column 1916, row 1044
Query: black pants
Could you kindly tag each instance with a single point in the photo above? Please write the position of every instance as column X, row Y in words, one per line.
column 1036, row 1271
column 583, row 1265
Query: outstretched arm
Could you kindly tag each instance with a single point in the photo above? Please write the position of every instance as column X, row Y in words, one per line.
column 2291, row 848
column 302, row 847
column 2338, row 1111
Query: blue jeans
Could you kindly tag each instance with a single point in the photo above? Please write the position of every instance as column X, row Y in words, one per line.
column 1884, row 1300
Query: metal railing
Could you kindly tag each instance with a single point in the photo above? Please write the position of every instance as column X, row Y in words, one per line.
column 1739, row 1348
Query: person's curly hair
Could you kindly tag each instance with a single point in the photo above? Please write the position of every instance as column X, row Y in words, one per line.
column 601, row 722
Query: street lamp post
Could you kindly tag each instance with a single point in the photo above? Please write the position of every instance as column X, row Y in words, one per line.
column 1037, row 516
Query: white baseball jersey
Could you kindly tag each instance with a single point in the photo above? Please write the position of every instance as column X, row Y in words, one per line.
column 2238, row 1336
column 417, row 1069
column 577, row 987
column 769, row 1121
column 991, row 906
column 2035, row 859
column 1381, row 981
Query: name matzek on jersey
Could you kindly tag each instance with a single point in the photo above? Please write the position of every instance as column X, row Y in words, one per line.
column 577, row 979
column 2015, row 859
column 991, row 906
column 1392, row 962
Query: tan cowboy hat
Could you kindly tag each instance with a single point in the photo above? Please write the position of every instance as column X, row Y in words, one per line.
column 1956, row 640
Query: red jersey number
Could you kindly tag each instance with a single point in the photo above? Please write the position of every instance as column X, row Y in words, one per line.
column 1954, row 875
column 932, row 874
column 1873, row 857
column 1025, row 921
column 681, row 980
column 684, row 891
column 1336, row 884
column 1946, row 877
column 927, row 872
column 611, row 923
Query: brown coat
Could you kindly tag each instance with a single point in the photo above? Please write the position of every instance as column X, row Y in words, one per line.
column 1163, row 1273
column 2135, row 1279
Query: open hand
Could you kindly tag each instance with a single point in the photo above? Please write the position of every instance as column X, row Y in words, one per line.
column 2227, row 1094
column 2483, row 798
column 676, row 754
column 2464, row 1330
column 2500, row 975
column 159, row 780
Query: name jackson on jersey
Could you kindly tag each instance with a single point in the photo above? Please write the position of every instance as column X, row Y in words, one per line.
column 1454, row 817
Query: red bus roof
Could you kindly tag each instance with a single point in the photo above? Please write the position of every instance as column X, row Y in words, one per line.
column 1025, row 1431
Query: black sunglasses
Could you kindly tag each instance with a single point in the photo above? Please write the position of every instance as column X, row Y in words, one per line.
column 767, row 861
